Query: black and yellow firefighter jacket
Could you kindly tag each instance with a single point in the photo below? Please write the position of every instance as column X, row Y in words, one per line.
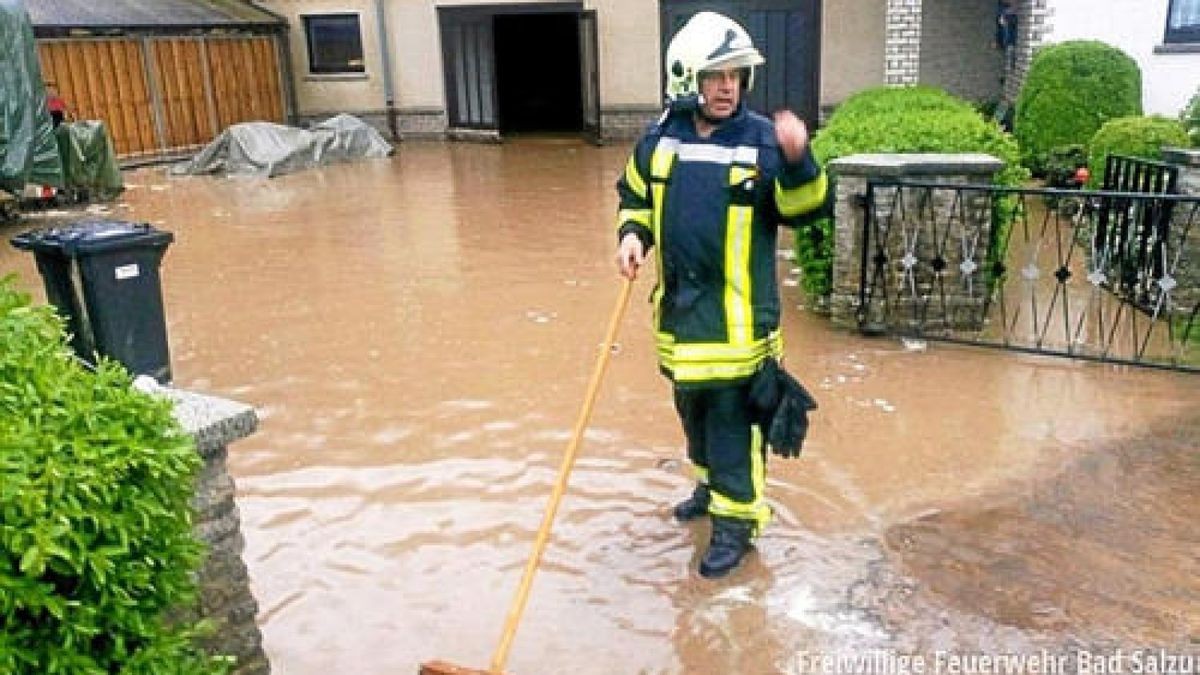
column 711, row 208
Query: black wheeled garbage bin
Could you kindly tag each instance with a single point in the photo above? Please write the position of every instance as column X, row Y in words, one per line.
column 103, row 277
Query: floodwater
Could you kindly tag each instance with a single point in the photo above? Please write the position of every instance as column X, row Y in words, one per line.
column 417, row 334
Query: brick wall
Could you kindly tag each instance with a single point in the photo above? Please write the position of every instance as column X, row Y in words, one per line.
column 902, row 53
column 1033, row 24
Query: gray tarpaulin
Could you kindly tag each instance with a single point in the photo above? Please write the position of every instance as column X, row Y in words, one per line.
column 88, row 159
column 28, row 150
column 266, row 149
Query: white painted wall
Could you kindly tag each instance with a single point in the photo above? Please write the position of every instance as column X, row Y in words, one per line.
column 629, row 58
column 327, row 94
column 853, row 33
column 1136, row 27
column 416, row 55
column 628, row 36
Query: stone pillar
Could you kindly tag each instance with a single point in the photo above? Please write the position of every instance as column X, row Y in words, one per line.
column 1186, row 293
column 225, row 596
column 1033, row 27
column 902, row 50
column 1188, row 161
column 851, row 175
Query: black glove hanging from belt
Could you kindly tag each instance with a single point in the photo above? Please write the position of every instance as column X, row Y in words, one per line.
column 781, row 405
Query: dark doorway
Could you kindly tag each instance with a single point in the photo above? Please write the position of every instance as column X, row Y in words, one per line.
column 538, row 85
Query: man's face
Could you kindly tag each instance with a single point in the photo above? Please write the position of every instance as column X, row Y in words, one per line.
column 721, row 89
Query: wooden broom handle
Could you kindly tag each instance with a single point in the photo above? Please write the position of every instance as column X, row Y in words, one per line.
column 560, row 485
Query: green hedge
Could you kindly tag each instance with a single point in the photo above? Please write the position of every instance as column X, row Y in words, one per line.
column 1133, row 137
column 96, row 542
column 1190, row 118
column 1071, row 90
column 902, row 120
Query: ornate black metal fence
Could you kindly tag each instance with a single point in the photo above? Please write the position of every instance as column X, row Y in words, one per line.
column 1102, row 275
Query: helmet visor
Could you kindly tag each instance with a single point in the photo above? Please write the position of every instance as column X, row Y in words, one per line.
column 743, row 58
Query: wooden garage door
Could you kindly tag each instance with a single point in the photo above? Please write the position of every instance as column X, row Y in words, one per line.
column 105, row 80
column 245, row 80
column 167, row 93
column 183, row 100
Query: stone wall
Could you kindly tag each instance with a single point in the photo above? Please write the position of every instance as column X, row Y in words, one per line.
column 422, row 122
column 1186, row 294
column 851, row 176
column 225, row 596
column 626, row 123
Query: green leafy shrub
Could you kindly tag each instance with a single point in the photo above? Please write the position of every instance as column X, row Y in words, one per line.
column 1190, row 118
column 1133, row 137
column 1071, row 90
column 896, row 119
column 96, row 542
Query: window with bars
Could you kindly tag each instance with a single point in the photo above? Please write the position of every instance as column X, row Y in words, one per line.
column 334, row 44
column 1183, row 22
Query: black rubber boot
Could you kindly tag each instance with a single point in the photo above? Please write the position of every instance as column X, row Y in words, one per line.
column 729, row 544
column 695, row 506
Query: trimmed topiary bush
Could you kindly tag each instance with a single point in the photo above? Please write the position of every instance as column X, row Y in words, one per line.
column 1133, row 137
column 1071, row 90
column 96, row 543
column 896, row 119
column 1190, row 118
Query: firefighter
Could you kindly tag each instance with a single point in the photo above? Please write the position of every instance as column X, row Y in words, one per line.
column 704, row 192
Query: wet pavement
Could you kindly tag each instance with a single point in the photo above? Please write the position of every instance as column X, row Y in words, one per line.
column 417, row 334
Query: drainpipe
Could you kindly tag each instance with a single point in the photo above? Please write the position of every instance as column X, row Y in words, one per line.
column 283, row 51
column 389, row 98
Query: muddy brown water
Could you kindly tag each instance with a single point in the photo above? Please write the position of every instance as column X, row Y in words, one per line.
column 417, row 333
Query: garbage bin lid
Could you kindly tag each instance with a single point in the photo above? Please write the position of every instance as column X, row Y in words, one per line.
column 91, row 236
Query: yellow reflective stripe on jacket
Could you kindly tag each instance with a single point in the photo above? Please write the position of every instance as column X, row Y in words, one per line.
column 699, row 352
column 739, row 314
column 803, row 198
column 686, row 373
column 639, row 216
column 703, row 352
column 661, row 161
column 756, row 510
column 738, row 173
column 633, row 178
column 701, row 473
column 699, row 362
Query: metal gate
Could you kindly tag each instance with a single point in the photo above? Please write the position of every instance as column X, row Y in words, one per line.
column 1099, row 275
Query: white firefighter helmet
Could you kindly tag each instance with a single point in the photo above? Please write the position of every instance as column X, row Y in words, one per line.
column 708, row 41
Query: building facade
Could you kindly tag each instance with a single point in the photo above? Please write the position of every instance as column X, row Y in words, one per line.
column 489, row 68
column 1163, row 36
column 472, row 67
